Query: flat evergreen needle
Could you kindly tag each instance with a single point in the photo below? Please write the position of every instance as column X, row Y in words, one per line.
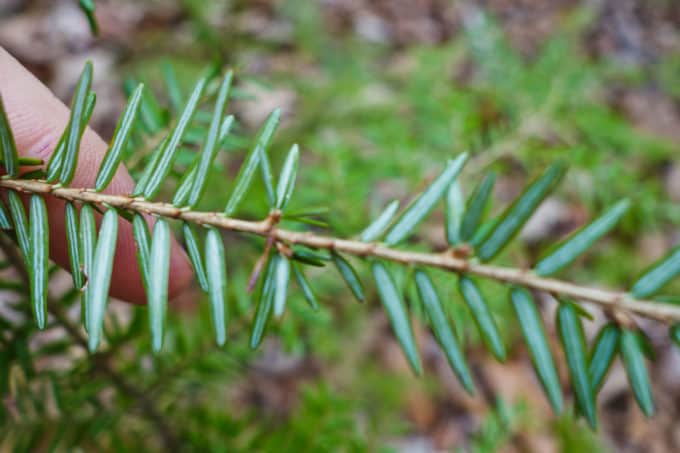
column 74, row 134
column 216, row 274
column 159, row 270
column 120, row 139
column 169, row 151
column 7, row 146
column 424, row 204
column 39, row 259
column 102, row 267
column 252, row 162
column 210, row 146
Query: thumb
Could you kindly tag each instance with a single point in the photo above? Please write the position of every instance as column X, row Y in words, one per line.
column 37, row 119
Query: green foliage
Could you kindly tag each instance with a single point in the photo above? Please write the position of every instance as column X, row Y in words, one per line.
column 306, row 288
column 603, row 354
column 265, row 300
column 658, row 275
column 9, row 149
column 442, row 329
column 142, row 240
column 88, row 7
column 73, row 239
column 396, row 311
column 330, row 417
column 517, row 214
column 210, row 147
column 167, row 154
column 87, row 243
column 574, row 345
column 55, row 163
column 579, row 242
column 634, row 362
column 376, row 229
column 95, row 251
column 157, row 290
column 99, row 280
column 455, row 208
column 349, row 275
column 195, row 255
column 282, row 279
column 532, row 327
column 5, row 222
column 76, row 126
column 476, row 205
column 186, row 151
column 423, row 205
column 253, row 161
column 284, row 190
column 119, row 141
column 499, row 426
column 38, row 259
column 20, row 223
column 482, row 316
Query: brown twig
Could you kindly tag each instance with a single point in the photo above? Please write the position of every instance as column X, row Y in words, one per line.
column 608, row 300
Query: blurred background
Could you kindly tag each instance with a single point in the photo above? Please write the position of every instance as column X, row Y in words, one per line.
column 379, row 94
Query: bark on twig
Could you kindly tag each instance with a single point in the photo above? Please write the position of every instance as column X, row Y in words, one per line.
column 609, row 300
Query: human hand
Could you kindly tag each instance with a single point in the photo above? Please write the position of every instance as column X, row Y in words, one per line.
column 37, row 119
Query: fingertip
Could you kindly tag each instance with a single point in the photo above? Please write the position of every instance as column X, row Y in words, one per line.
column 37, row 118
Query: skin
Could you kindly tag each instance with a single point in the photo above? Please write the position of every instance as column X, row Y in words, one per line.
column 38, row 119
